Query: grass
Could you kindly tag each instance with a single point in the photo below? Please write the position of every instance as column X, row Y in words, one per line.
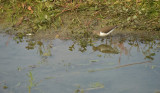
column 43, row 14
column 76, row 20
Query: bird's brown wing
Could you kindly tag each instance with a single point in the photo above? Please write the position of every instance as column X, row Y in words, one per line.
column 107, row 29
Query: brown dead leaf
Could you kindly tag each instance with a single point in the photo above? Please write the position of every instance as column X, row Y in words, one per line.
column 30, row 9
column 23, row 5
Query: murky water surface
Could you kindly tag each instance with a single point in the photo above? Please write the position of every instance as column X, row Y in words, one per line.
column 62, row 66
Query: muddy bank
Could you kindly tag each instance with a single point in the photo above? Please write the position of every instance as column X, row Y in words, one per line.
column 64, row 34
column 78, row 25
column 74, row 19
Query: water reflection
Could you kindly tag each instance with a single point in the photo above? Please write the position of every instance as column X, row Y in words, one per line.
column 105, row 49
column 96, row 65
column 107, row 46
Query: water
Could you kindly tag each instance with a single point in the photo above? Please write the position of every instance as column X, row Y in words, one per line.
column 63, row 66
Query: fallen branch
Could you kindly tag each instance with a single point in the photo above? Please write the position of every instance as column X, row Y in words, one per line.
column 76, row 6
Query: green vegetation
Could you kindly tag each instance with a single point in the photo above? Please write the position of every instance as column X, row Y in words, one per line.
column 30, row 81
column 5, row 87
column 97, row 85
column 44, row 14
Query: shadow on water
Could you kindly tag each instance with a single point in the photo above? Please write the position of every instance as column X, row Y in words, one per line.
column 84, row 65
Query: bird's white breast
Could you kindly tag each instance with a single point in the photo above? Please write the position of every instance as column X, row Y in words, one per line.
column 103, row 34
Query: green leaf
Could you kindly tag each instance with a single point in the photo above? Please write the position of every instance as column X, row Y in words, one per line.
column 46, row 17
column 134, row 17
column 129, row 18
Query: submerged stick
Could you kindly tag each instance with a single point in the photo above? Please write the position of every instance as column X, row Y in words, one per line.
column 119, row 66
column 133, row 64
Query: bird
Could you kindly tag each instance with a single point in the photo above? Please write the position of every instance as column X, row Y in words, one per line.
column 105, row 31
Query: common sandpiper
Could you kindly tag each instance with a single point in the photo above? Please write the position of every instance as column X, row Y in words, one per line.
column 105, row 31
